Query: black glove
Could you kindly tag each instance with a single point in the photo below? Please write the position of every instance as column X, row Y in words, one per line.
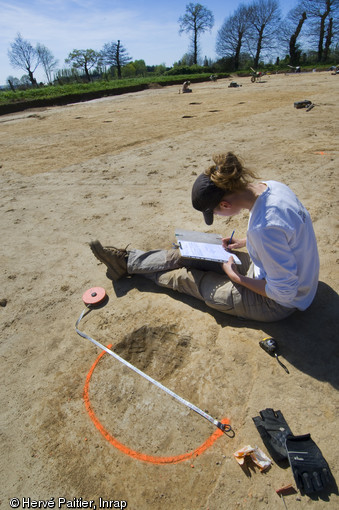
column 273, row 430
column 310, row 470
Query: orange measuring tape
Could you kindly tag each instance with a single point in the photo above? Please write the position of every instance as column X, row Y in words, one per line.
column 98, row 296
column 133, row 453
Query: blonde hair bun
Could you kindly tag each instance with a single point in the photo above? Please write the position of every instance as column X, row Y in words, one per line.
column 229, row 173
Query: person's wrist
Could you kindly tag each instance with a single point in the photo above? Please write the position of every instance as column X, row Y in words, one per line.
column 236, row 278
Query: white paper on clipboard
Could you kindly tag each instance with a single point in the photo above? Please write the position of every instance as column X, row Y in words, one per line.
column 198, row 245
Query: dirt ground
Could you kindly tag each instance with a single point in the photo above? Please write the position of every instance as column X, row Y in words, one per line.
column 120, row 169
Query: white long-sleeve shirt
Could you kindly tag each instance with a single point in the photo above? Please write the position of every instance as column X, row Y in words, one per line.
column 282, row 245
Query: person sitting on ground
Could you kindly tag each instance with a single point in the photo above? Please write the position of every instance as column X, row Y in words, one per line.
column 185, row 87
column 277, row 276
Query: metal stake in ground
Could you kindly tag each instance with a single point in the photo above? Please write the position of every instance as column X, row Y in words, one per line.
column 222, row 426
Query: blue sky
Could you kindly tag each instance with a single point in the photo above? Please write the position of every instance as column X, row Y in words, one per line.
column 148, row 29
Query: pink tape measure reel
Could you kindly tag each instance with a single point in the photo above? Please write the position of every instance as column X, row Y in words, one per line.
column 94, row 296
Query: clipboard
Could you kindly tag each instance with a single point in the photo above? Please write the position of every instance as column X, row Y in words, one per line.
column 199, row 245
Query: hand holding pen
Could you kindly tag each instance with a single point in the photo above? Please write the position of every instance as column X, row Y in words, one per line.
column 230, row 240
column 229, row 243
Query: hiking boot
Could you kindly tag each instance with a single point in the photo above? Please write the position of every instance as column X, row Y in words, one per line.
column 114, row 259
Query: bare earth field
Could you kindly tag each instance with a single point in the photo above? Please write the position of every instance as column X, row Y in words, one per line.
column 120, row 169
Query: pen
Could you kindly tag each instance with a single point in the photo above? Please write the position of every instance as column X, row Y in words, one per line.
column 229, row 242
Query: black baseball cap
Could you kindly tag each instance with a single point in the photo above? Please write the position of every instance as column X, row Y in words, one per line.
column 206, row 196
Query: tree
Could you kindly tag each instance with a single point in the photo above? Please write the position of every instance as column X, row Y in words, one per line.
column 295, row 52
column 290, row 33
column 22, row 55
column 136, row 68
column 196, row 20
column 67, row 75
column 322, row 14
column 115, row 55
column 230, row 37
column 129, row 71
column 328, row 41
column 186, row 60
column 160, row 69
column 19, row 83
column 84, row 59
column 265, row 18
column 47, row 60
column 13, row 82
column 140, row 67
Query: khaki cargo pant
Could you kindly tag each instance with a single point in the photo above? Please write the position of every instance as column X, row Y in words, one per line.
column 206, row 281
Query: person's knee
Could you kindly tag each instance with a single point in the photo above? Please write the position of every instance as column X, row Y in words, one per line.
column 216, row 289
column 182, row 280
